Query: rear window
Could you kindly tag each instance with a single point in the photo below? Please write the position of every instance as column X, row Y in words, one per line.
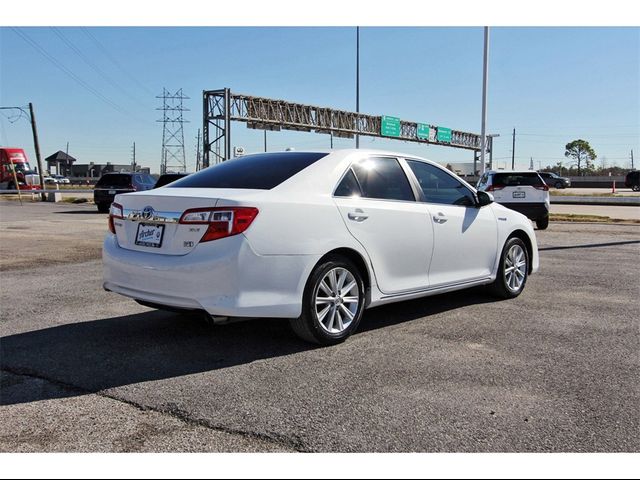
column 168, row 178
column 114, row 180
column 144, row 179
column 257, row 172
column 516, row 179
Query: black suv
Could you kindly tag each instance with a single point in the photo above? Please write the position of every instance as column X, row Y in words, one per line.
column 111, row 184
column 167, row 178
column 553, row 180
column 632, row 180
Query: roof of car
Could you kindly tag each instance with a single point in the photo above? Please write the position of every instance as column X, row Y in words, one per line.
column 513, row 171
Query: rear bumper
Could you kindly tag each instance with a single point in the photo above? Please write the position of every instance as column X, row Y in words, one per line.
column 224, row 277
column 533, row 211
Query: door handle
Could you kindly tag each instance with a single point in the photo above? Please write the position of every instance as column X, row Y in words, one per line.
column 357, row 216
column 440, row 218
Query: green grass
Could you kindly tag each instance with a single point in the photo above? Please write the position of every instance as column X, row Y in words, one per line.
column 572, row 217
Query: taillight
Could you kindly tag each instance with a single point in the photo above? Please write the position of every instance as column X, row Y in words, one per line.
column 542, row 187
column 493, row 188
column 115, row 211
column 222, row 221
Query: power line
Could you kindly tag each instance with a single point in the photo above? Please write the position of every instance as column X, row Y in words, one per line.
column 68, row 72
column 92, row 65
column 114, row 60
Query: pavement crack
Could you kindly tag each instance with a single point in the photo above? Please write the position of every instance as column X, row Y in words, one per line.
column 291, row 443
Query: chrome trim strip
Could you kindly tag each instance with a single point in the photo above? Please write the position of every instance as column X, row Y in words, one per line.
column 157, row 217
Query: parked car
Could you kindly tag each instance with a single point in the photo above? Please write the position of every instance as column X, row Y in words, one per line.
column 632, row 180
column 62, row 180
column 521, row 190
column 50, row 181
column 315, row 237
column 553, row 180
column 111, row 184
column 167, row 178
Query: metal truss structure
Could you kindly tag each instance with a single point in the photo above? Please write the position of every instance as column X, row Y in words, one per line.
column 173, row 157
column 221, row 107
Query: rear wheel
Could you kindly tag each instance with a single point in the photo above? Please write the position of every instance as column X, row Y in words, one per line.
column 513, row 269
column 332, row 304
column 103, row 207
column 636, row 188
column 542, row 223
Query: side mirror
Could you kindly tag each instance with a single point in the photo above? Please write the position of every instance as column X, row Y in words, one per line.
column 484, row 198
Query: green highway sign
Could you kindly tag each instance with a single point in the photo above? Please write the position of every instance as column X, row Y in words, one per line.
column 390, row 126
column 444, row 135
column 423, row 131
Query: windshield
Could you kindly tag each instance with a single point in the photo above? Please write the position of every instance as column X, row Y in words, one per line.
column 22, row 167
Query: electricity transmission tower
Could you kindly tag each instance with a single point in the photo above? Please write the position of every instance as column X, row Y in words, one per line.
column 173, row 155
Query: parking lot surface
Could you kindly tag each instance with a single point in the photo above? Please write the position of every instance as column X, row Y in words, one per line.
column 555, row 369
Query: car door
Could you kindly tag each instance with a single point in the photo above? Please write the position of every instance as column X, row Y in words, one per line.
column 465, row 237
column 379, row 208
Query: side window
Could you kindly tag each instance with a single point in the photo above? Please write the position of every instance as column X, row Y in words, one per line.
column 440, row 187
column 383, row 178
column 348, row 187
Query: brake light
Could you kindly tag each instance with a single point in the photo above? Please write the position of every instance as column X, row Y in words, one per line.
column 222, row 221
column 493, row 188
column 542, row 187
column 115, row 211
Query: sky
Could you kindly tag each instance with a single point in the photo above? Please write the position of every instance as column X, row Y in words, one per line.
column 95, row 87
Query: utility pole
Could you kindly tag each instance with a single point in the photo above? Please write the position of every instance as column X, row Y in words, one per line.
column 531, row 164
column 36, row 145
column 357, row 84
column 198, row 155
column 133, row 162
column 66, row 154
column 632, row 159
column 173, row 131
column 513, row 151
column 265, row 140
column 485, row 81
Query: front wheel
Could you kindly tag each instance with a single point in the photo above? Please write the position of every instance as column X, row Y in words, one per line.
column 636, row 188
column 332, row 304
column 513, row 269
column 559, row 185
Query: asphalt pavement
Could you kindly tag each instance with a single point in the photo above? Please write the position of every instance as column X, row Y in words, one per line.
column 554, row 370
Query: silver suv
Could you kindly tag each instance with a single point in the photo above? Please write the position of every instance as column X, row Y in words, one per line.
column 521, row 190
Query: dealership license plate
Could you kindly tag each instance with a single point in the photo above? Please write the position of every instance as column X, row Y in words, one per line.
column 519, row 194
column 149, row 235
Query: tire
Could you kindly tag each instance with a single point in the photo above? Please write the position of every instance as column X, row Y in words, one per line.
column 504, row 285
column 334, row 319
column 559, row 185
column 103, row 207
column 542, row 223
column 636, row 188
column 11, row 186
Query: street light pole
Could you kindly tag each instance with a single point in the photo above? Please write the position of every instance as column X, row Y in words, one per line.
column 485, row 81
column 357, row 83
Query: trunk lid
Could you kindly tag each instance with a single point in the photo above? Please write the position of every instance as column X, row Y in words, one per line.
column 150, row 222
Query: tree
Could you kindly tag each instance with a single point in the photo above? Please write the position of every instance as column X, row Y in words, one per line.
column 581, row 151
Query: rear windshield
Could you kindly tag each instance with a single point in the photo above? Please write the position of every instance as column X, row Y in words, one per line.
column 114, row 180
column 262, row 171
column 519, row 178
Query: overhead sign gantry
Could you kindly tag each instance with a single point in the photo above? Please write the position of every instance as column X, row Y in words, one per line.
column 221, row 107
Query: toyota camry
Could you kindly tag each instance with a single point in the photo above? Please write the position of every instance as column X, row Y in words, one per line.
column 315, row 237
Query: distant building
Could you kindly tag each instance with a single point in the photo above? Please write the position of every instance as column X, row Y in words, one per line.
column 62, row 161
column 96, row 170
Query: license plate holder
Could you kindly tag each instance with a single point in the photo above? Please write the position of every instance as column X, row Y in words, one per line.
column 519, row 194
column 149, row 235
column 112, row 192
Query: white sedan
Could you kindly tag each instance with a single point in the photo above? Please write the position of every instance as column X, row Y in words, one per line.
column 316, row 237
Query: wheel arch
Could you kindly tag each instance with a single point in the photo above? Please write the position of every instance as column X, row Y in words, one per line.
column 522, row 235
column 358, row 260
